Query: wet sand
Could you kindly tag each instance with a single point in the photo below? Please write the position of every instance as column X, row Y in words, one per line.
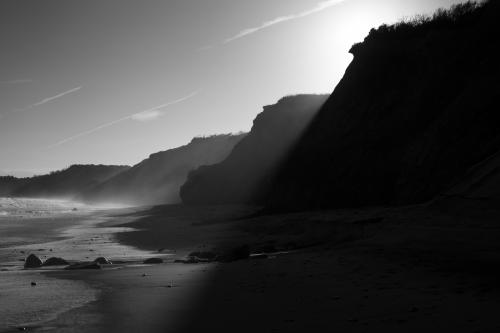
column 408, row 269
column 64, row 233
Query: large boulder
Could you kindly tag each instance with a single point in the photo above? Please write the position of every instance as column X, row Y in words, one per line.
column 237, row 253
column 103, row 261
column 153, row 261
column 189, row 260
column 54, row 261
column 204, row 255
column 32, row 261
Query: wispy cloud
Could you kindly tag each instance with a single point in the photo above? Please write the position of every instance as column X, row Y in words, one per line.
column 147, row 115
column 281, row 19
column 156, row 112
column 144, row 115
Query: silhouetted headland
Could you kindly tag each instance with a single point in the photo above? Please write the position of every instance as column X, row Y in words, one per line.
column 413, row 113
column 246, row 174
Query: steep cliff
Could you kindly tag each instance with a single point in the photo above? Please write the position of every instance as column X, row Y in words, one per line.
column 247, row 172
column 416, row 108
column 158, row 178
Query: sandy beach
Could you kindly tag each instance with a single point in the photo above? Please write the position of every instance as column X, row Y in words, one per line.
column 249, row 166
column 408, row 269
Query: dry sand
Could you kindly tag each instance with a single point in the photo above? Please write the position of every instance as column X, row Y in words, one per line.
column 408, row 269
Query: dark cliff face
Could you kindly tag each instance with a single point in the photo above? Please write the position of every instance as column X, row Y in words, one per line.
column 477, row 191
column 158, row 178
column 417, row 107
column 65, row 183
column 245, row 176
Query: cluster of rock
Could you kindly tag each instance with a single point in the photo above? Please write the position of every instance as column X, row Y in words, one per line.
column 233, row 254
column 33, row 261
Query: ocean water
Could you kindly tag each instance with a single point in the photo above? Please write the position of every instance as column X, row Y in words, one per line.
column 51, row 228
column 36, row 207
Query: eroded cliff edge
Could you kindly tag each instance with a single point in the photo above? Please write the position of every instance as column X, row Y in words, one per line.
column 417, row 107
column 246, row 175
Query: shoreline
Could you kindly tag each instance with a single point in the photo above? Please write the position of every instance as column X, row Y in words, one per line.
column 75, row 237
column 387, row 269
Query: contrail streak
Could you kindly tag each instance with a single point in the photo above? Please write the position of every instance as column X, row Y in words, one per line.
column 316, row 9
column 17, row 81
column 45, row 100
column 135, row 116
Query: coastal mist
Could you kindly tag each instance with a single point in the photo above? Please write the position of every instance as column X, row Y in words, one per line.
column 235, row 166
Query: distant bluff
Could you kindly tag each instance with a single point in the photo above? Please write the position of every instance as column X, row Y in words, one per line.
column 246, row 174
column 66, row 183
column 157, row 179
column 417, row 107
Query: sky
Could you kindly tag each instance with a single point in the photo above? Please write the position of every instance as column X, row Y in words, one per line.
column 112, row 81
